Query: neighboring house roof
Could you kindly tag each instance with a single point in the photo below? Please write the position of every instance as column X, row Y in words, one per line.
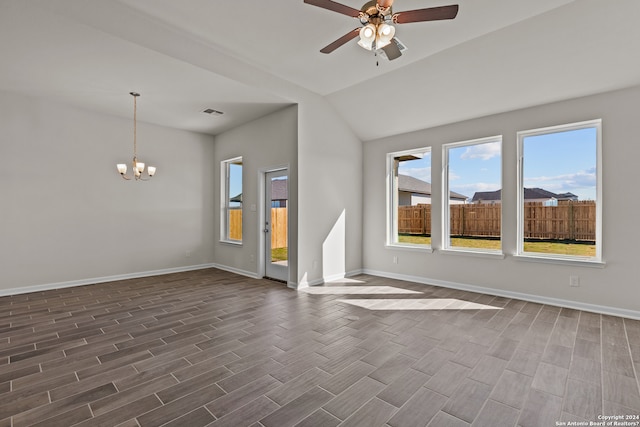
column 278, row 191
column 529, row 194
column 567, row 196
column 414, row 185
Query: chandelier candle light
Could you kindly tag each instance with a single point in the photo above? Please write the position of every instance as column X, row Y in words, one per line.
column 138, row 167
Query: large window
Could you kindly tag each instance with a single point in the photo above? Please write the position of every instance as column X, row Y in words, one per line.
column 409, row 198
column 231, row 200
column 472, row 186
column 559, row 205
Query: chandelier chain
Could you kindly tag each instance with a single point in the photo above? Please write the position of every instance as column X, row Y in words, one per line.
column 135, row 121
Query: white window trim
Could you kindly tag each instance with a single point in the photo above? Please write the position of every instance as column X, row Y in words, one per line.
column 446, row 220
column 595, row 261
column 392, row 204
column 224, row 201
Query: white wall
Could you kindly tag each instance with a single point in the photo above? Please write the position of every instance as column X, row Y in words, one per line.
column 330, row 195
column 266, row 143
column 614, row 286
column 66, row 214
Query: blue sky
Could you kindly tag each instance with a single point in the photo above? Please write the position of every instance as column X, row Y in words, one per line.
column 235, row 181
column 559, row 162
column 562, row 162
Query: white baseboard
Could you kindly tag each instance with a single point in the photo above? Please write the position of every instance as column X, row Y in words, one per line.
column 246, row 273
column 601, row 309
column 321, row 281
column 94, row 280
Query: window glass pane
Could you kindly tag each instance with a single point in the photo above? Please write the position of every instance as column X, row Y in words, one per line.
column 235, row 201
column 231, row 227
column 474, row 202
column 559, row 192
column 410, row 199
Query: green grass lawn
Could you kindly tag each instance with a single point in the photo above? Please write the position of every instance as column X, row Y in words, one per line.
column 537, row 247
column 279, row 254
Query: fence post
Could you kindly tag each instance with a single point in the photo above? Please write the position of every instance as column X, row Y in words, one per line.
column 571, row 222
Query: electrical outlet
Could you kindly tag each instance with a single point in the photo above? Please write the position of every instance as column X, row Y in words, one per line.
column 574, row 281
column 187, row 254
column 395, row 259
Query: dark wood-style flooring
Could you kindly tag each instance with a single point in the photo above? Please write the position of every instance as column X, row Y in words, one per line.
column 210, row 348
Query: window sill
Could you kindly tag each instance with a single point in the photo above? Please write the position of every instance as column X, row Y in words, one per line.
column 231, row 242
column 574, row 261
column 414, row 248
column 469, row 252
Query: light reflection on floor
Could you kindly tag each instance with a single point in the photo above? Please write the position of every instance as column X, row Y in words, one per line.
column 418, row 304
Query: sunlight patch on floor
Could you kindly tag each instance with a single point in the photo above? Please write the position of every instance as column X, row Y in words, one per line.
column 418, row 304
column 356, row 290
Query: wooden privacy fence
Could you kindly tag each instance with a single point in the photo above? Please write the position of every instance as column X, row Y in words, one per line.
column 567, row 221
column 279, row 218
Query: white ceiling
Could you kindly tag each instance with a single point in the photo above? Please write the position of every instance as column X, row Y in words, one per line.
column 248, row 58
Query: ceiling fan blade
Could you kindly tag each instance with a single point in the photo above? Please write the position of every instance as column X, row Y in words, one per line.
column 335, row 7
column 429, row 14
column 392, row 50
column 342, row 40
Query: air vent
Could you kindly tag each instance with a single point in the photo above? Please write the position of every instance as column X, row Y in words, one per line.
column 401, row 46
column 213, row 112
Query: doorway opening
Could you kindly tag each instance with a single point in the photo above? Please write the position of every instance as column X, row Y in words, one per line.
column 276, row 225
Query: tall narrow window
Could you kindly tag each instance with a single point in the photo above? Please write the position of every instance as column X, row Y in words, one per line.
column 559, row 205
column 409, row 198
column 472, row 184
column 231, row 200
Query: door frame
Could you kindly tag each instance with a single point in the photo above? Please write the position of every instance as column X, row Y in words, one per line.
column 262, row 216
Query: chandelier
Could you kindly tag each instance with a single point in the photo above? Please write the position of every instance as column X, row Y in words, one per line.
column 138, row 167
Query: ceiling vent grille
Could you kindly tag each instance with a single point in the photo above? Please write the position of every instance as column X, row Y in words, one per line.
column 401, row 46
column 213, row 112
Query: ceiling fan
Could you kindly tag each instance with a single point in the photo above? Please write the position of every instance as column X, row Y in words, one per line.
column 376, row 19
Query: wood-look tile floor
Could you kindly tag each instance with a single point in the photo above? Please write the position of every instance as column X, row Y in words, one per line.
column 209, row 348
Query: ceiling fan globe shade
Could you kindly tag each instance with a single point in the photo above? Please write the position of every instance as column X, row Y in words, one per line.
column 367, row 36
column 385, row 34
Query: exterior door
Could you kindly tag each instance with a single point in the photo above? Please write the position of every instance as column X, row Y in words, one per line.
column 276, row 225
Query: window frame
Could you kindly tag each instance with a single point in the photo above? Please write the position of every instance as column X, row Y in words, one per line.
column 446, row 211
column 225, row 196
column 392, row 200
column 560, row 258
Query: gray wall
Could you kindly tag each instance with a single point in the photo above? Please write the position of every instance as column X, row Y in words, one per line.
column 614, row 286
column 265, row 144
column 66, row 215
column 330, row 195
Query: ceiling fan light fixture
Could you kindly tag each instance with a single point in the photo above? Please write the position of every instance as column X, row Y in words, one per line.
column 367, row 36
column 385, row 34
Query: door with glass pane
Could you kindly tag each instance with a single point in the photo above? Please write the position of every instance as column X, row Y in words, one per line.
column 276, row 225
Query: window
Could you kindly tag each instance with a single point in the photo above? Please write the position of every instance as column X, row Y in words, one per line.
column 409, row 198
column 472, row 183
column 559, row 202
column 231, row 200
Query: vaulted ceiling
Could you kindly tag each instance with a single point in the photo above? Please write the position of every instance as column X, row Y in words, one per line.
column 248, row 58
